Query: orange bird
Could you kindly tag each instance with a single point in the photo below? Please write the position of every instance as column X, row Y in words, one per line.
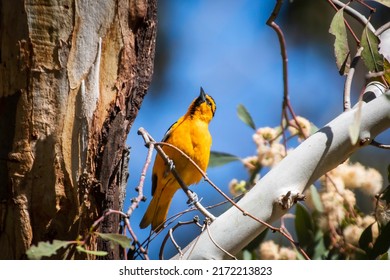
column 191, row 135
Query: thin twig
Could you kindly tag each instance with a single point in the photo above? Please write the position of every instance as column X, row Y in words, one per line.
column 379, row 145
column 284, row 228
column 207, row 179
column 355, row 14
column 140, row 187
column 348, row 80
column 177, row 215
column 283, row 50
column 174, row 217
column 128, row 227
column 215, row 242
column 170, row 235
column 363, row 3
column 105, row 214
column 135, row 239
column 244, row 212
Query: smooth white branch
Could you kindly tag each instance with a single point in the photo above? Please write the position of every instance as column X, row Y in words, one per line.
column 318, row 154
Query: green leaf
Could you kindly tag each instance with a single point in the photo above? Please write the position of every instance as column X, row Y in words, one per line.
column 366, row 239
column 382, row 243
column 341, row 48
column 304, row 226
column 384, row 2
column 315, row 197
column 244, row 115
column 320, row 250
column 384, row 257
column 95, row 253
column 120, row 239
column 220, row 158
column 46, row 249
column 370, row 54
column 247, row 255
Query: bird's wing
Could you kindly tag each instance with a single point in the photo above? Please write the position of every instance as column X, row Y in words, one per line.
column 154, row 183
column 168, row 132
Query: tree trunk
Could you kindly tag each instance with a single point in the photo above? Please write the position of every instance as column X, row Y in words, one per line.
column 73, row 75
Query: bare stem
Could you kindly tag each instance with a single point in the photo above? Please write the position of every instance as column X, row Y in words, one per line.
column 380, row 145
column 170, row 235
column 140, row 187
column 348, row 80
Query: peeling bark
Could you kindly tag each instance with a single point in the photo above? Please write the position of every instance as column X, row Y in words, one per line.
column 73, row 75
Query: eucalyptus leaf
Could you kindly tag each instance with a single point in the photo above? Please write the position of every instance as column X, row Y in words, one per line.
column 382, row 243
column 244, row 115
column 370, row 54
column 120, row 239
column 247, row 255
column 221, row 158
column 46, row 249
column 304, row 226
column 366, row 239
column 341, row 48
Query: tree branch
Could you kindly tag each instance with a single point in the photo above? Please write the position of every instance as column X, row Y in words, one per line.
column 318, row 154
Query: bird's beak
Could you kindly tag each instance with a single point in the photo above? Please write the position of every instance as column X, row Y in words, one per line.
column 202, row 95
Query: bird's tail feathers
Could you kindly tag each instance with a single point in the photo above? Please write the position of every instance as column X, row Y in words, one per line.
column 157, row 211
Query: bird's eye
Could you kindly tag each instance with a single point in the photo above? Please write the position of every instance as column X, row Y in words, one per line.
column 208, row 102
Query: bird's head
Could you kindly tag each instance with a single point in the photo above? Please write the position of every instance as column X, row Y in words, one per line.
column 203, row 107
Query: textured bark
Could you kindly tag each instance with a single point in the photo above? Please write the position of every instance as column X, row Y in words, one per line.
column 73, row 75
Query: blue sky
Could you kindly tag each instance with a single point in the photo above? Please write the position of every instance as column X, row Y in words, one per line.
column 226, row 47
